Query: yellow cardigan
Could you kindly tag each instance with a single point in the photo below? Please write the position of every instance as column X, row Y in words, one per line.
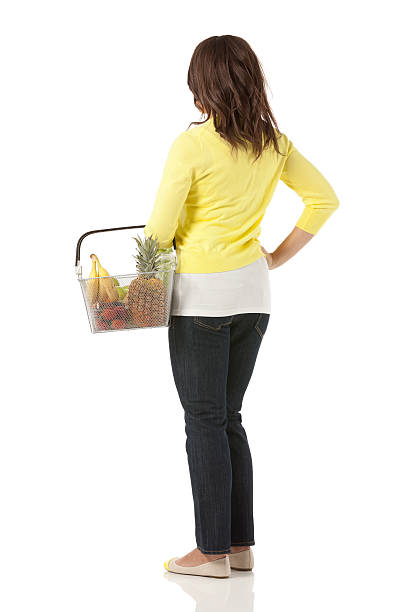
column 213, row 204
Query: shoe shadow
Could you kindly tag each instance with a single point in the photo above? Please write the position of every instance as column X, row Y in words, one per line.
column 233, row 594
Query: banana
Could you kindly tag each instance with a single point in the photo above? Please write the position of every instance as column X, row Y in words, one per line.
column 107, row 288
column 102, row 295
column 92, row 286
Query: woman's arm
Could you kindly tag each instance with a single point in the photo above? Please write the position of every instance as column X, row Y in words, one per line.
column 288, row 248
column 319, row 199
column 173, row 190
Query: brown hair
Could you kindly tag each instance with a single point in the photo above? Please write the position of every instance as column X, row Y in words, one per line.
column 228, row 83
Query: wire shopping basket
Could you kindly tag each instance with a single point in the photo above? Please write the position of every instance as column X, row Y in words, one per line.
column 126, row 301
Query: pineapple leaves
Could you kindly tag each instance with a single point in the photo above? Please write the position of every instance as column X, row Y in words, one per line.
column 148, row 256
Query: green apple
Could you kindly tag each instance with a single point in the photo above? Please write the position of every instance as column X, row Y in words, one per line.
column 122, row 291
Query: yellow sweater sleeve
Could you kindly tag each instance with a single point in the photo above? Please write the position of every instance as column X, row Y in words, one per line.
column 316, row 192
column 173, row 190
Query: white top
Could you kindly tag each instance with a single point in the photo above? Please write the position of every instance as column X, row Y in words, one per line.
column 216, row 294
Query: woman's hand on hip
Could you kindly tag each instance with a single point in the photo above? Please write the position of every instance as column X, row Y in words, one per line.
column 268, row 257
column 296, row 240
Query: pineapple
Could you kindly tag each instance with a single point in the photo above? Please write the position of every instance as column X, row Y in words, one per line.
column 147, row 294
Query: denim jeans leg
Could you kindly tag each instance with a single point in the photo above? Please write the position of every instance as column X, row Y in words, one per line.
column 245, row 341
column 199, row 359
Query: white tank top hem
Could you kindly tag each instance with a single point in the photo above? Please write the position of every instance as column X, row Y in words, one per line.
column 218, row 294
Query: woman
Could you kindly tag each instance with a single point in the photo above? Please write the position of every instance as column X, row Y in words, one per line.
column 218, row 180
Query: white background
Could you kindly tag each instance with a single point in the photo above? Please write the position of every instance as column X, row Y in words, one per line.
column 94, row 480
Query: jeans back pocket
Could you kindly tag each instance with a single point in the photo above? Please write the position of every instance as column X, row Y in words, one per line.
column 214, row 323
column 261, row 324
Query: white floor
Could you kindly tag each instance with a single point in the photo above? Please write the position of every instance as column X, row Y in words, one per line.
column 96, row 493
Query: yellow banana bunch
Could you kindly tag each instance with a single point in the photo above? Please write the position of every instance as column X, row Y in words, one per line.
column 92, row 285
column 107, row 288
column 102, row 295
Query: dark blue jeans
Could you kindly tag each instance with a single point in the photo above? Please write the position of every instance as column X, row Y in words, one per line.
column 212, row 360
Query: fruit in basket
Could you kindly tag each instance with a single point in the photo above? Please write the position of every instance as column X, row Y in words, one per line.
column 121, row 312
column 101, row 324
column 92, row 285
column 118, row 324
column 122, row 291
column 147, row 293
column 102, row 295
column 108, row 314
column 107, row 288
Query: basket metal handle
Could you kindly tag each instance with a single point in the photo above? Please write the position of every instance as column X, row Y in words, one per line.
column 109, row 229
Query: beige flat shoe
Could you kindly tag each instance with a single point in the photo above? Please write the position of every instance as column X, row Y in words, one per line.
column 243, row 560
column 219, row 568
